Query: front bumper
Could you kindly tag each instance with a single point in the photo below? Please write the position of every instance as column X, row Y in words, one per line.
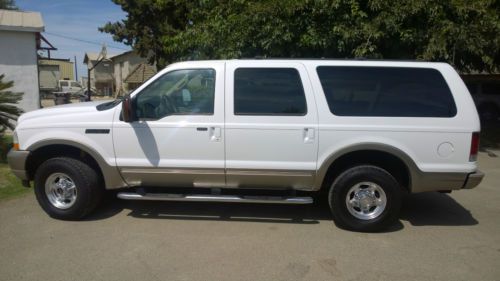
column 17, row 162
column 473, row 180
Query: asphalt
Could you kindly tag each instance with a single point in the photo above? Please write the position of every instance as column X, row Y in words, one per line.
column 439, row 237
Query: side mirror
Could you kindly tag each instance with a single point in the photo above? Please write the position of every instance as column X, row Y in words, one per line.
column 127, row 110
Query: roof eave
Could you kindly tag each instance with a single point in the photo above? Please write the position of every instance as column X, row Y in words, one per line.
column 22, row 28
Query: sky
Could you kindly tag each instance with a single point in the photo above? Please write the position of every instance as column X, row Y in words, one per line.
column 77, row 19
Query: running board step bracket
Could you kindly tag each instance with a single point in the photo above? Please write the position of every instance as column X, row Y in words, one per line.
column 214, row 198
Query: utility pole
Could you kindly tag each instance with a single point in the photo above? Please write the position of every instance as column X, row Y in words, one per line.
column 76, row 70
column 102, row 55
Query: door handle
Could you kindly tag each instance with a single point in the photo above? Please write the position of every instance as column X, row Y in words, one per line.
column 215, row 133
column 308, row 135
column 202, row 129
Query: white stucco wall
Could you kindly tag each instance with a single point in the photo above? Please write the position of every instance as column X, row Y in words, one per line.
column 123, row 65
column 18, row 62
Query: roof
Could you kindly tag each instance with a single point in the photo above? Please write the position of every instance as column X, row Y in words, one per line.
column 141, row 73
column 93, row 57
column 42, row 61
column 21, row 21
column 122, row 54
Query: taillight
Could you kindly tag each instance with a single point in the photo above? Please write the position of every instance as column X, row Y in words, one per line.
column 474, row 147
column 15, row 141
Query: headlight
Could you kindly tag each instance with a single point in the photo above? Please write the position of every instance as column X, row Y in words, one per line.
column 15, row 141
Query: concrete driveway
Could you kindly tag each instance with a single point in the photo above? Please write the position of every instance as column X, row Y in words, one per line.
column 440, row 237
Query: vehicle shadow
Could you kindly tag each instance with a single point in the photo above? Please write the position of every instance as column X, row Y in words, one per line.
column 433, row 208
column 425, row 209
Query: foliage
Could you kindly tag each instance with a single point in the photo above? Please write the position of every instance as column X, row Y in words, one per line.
column 461, row 32
column 147, row 23
column 8, row 99
column 10, row 185
column 8, row 5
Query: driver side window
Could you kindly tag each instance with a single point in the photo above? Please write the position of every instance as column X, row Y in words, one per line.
column 179, row 92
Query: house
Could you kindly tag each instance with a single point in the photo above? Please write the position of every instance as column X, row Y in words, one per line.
column 62, row 68
column 139, row 75
column 123, row 64
column 50, row 71
column 19, row 41
column 101, row 77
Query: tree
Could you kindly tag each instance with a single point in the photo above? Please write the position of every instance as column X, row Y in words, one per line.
column 460, row 32
column 8, row 99
column 8, row 5
column 147, row 25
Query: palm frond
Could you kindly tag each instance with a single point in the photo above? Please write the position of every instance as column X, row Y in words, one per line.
column 8, row 100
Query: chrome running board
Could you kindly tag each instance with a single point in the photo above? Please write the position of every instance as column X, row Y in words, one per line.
column 214, row 198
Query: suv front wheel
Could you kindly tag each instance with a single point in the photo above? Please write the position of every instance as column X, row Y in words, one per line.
column 365, row 198
column 67, row 188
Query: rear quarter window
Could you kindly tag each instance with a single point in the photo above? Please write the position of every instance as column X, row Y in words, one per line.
column 386, row 91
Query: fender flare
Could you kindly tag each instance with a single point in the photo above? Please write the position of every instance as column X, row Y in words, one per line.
column 111, row 174
column 413, row 170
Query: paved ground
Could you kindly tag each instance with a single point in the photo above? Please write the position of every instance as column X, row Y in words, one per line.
column 440, row 237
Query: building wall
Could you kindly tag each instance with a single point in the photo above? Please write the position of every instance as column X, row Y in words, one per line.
column 123, row 65
column 66, row 69
column 101, row 77
column 18, row 61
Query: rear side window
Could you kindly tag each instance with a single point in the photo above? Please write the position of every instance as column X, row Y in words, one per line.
column 268, row 91
column 386, row 91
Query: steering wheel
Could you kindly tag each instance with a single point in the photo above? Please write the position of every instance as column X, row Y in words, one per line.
column 168, row 104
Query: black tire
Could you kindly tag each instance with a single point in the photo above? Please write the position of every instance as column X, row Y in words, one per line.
column 87, row 183
column 351, row 177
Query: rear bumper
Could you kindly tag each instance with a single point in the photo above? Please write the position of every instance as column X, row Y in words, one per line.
column 473, row 180
column 17, row 163
column 431, row 181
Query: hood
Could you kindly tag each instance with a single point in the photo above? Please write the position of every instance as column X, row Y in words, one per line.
column 54, row 111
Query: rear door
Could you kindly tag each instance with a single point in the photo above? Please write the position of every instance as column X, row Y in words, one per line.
column 271, row 125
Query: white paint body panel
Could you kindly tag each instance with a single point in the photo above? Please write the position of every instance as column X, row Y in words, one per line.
column 174, row 141
column 419, row 137
column 270, row 142
column 69, row 122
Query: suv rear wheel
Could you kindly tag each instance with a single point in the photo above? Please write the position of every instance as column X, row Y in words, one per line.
column 67, row 188
column 365, row 198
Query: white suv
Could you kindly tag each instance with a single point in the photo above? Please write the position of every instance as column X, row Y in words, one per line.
column 260, row 131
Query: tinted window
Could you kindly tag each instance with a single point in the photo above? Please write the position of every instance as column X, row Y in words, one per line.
column 386, row 91
column 268, row 91
column 64, row 83
column 178, row 92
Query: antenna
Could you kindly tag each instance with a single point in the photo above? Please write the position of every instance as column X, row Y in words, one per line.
column 103, row 53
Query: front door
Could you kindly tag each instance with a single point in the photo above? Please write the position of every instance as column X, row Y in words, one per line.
column 178, row 138
column 271, row 126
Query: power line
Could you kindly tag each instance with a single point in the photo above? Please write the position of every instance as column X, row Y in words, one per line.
column 85, row 41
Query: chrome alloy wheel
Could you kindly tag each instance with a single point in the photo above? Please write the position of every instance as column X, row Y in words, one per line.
column 366, row 200
column 60, row 190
